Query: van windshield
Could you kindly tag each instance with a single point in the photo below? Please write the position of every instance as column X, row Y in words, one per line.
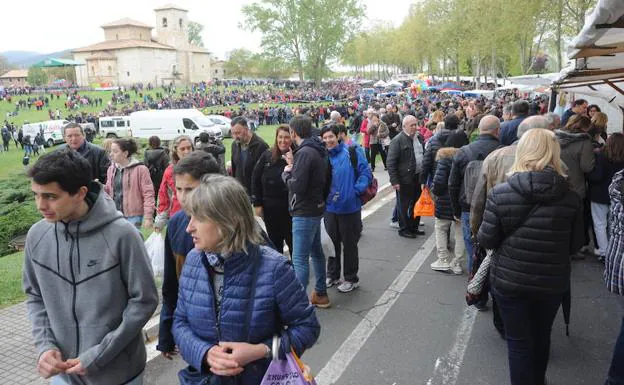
column 203, row 121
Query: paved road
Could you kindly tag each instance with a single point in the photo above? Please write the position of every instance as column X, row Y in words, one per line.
column 409, row 325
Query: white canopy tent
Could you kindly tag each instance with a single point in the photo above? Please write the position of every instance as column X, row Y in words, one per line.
column 597, row 54
column 380, row 84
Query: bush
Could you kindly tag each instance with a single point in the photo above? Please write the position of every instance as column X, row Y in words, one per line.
column 17, row 211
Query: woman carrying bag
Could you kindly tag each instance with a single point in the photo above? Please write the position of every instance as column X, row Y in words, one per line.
column 533, row 222
column 235, row 294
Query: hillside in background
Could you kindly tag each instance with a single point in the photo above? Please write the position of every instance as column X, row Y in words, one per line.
column 25, row 59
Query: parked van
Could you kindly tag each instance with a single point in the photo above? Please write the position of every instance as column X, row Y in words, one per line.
column 168, row 124
column 53, row 131
column 115, row 126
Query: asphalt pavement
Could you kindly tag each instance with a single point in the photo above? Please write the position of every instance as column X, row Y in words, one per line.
column 407, row 324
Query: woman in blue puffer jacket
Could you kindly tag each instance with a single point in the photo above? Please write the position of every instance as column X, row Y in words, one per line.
column 235, row 294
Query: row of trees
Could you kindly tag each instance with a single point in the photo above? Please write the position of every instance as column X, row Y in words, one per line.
column 470, row 37
column 309, row 34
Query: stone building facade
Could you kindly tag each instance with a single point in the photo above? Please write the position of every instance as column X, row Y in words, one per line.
column 131, row 54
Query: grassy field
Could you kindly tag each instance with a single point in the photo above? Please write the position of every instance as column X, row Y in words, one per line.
column 32, row 115
column 11, row 279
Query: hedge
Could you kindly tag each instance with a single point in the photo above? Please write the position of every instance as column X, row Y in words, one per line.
column 17, row 211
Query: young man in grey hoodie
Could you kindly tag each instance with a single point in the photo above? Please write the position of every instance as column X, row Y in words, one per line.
column 87, row 278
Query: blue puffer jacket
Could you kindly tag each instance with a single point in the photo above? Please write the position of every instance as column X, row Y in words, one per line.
column 280, row 301
column 346, row 187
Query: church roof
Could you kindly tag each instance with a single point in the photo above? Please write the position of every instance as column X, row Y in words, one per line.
column 15, row 74
column 170, row 6
column 122, row 44
column 126, row 21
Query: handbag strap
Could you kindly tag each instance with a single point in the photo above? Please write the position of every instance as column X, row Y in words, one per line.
column 521, row 222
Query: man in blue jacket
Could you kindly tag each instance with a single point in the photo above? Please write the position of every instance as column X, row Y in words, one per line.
column 343, row 213
column 305, row 177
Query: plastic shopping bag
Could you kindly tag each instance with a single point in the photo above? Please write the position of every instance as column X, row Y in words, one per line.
column 290, row 371
column 326, row 243
column 155, row 245
column 424, row 207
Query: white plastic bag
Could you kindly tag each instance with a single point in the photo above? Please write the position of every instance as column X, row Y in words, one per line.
column 155, row 245
column 326, row 242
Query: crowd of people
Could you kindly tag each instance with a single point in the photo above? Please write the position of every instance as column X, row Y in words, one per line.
column 525, row 193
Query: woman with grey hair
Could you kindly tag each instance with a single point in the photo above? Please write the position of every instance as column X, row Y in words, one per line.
column 235, row 294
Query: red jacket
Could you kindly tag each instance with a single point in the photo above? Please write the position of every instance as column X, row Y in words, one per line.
column 168, row 203
column 138, row 190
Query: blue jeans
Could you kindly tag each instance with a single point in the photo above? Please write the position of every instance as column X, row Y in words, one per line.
column 528, row 323
column 465, row 222
column 616, row 370
column 306, row 245
column 57, row 380
column 136, row 220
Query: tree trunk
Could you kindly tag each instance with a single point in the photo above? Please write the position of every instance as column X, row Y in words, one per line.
column 558, row 34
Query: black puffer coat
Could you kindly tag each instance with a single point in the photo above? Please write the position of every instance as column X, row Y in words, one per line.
column 445, row 138
column 444, row 161
column 534, row 259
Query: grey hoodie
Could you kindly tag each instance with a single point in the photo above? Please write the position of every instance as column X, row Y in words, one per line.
column 90, row 291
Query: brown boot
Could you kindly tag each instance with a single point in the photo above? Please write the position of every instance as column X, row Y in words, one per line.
column 320, row 301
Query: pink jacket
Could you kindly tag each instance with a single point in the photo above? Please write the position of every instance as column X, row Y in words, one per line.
column 138, row 189
column 364, row 130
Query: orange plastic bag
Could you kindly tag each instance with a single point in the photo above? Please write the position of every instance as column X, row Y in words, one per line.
column 424, row 207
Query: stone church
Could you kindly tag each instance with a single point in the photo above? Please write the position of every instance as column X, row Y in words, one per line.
column 131, row 54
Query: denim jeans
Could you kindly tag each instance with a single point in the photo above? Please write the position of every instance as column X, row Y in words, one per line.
column 306, row 245
column 465, row 224
column 528, row 323
column 616, row 370
column 136, row 220
column 57, row 380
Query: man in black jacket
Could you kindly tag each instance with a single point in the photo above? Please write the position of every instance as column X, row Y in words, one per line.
column 448, row 137
column 486, row 142
column 75, row 138
column 247, row 148
column 305, row 176
column 403, row 170
column 392, row 120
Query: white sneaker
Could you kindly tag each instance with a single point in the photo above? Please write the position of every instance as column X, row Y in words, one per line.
column 456, row 269
column 440, row 265
column 347, row 286
column 331, row 282
column 394, row 225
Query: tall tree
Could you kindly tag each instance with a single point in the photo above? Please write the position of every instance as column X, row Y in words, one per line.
column 37, row 76
column 194, row 30
column 239, row 63
column 308, row 33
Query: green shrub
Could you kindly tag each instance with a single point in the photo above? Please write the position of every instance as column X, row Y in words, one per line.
column 17, row 210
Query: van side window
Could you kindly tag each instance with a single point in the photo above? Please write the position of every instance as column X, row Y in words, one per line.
column 107, row 123
column 189, row 124
column 121, row 123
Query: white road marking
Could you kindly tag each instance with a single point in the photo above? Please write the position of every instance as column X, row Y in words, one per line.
column 446, row 369
column 341, row 359
column 374, row 206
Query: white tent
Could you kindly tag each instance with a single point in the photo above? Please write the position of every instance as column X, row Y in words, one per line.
column 380, row 84
column 535, row 80
column 597, row 54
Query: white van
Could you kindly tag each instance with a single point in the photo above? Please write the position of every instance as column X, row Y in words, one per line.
column 168, row 124
column 114, row 126
column 53, row 131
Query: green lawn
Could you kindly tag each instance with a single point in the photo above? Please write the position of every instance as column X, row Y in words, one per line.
column 11, row 279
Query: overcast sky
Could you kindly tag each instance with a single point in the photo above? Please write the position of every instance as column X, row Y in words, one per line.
column 47, row 26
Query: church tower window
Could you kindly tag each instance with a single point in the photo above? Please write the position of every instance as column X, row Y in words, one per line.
column 180, row 23
column 164, row 22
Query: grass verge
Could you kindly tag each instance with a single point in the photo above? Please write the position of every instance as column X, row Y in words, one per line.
column 11, row 279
